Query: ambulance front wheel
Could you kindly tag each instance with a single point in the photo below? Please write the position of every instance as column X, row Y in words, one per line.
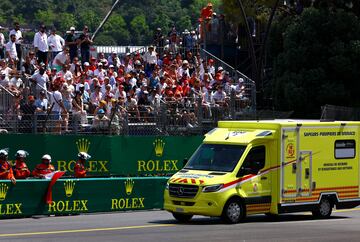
column 324, row 209
column 233, row 211
column 182, row 218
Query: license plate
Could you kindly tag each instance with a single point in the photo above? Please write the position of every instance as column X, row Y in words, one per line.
column 179, row 210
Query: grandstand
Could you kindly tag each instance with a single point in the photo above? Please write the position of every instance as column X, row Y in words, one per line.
column 172, row 86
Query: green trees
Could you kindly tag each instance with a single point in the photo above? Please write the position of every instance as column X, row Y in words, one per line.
column 140, row 29
column 316, row 60
column 132, row 22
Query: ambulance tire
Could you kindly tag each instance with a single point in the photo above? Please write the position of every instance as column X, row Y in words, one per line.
column 182, row 218
column 233, row 211
column 324, row 209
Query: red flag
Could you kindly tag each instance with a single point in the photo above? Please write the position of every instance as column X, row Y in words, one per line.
column 54, row 177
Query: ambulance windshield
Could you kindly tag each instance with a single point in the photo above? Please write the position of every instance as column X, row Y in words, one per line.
column 214, row 157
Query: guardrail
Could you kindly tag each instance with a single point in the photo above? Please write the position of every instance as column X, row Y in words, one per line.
column 75, row 196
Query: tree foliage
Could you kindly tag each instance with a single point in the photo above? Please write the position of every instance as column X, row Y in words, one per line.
column 316, row 60
column 132, row 23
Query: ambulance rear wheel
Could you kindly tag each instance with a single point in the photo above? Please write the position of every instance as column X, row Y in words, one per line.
column 324, row 209
column 233, row 211
column 182, row 218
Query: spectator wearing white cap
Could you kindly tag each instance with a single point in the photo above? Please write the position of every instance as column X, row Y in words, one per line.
column 71, row 42
column 239, row 88
column 187, row 40
column 183, row 70
column 85, row 41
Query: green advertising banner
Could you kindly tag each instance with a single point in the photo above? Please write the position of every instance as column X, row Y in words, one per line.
column 86, row 195
column 110, row 155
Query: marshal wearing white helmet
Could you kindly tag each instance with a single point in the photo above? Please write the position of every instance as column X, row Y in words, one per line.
column 21, row 171
column 6, row 171
column 44, row 168
column 80, row 168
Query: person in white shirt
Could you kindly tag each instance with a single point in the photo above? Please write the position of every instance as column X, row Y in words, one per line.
column 65, row 73
column 100, row 73
column 58, row 107
column 219, row 96
column 150, row 58
column 4, row 73
column 19, row 39
column 56, row 43
column 183, row 70
column 2, row 43
column 120, row 92
column 41, row 45
column 61, row 59
column 4, row 69
column 40, row 79
column 10, row 47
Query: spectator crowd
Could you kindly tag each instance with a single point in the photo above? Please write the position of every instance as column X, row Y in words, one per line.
column 64, row 84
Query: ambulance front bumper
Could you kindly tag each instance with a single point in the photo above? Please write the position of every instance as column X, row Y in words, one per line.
column 208, row 204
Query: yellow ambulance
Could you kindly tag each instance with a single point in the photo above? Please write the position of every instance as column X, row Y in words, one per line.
column 271, row 167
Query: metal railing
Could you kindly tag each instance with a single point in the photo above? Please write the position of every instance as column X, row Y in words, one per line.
column 332, row 112
column 7, row 99
column 236, row 75
column 177, row 117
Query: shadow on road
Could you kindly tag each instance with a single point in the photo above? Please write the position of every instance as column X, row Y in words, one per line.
column 199, row 220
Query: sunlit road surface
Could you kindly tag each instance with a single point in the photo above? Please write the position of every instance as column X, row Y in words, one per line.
column 160, row 226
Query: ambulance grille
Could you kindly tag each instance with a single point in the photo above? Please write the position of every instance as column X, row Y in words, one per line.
column 185, row 191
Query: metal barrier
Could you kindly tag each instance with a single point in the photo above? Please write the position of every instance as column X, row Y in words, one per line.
column 185, row 116
column 332, row 112
column 249, row 84
column 7, row 99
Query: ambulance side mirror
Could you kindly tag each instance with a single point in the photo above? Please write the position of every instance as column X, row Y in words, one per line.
column 185, row 162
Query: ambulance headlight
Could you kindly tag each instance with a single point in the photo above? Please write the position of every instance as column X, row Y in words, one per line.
column 213, row 188
column 167, row 186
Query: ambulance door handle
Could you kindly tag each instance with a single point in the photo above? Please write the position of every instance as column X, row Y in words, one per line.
column 307, row 173
column 313, row 186
column 294, row 168
column 263, row 178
